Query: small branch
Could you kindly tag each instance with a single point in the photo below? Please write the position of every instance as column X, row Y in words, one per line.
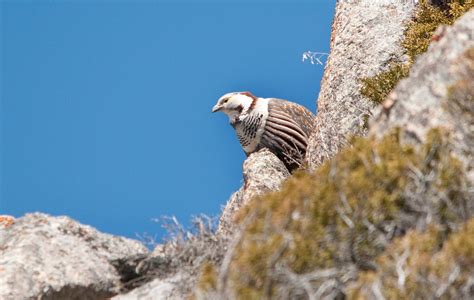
column 399, row 268
column 315, row 58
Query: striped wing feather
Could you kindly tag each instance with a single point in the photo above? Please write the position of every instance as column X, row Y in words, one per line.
column 287, row 130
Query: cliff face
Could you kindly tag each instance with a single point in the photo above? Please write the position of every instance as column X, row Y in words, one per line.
column 385, row 211
column 366, row 38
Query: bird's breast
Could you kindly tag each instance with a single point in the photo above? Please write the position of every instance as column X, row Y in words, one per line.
column 249, row 131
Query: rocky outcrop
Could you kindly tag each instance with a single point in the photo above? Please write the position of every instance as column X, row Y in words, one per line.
column 351, row 211
column 366, row 37
column 44, row 257
column 263, row 172
column 438, row 93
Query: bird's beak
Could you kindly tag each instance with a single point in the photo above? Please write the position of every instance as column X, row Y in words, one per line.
column 216, row 107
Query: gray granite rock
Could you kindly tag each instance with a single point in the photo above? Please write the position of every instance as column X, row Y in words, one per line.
column 167, row 288
column 366, row 37
column 263, row 172
column 422, row 101
column 45, row 257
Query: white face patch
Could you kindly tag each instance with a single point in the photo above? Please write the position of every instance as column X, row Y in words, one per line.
column 234, row 105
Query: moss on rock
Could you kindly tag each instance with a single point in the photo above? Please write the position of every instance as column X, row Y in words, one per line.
column 418, row 36
column 379, row 86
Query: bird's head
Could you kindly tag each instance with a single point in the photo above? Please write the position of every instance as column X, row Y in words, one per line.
column 234, row 104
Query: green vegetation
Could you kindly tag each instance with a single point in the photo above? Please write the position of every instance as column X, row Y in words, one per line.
column 418, row 36
column 378, row 87
column 344, row 213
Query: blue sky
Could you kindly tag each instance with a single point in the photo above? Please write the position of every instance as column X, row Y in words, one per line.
column 105, row 105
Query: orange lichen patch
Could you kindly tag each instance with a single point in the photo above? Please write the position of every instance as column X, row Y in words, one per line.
column 6, row 221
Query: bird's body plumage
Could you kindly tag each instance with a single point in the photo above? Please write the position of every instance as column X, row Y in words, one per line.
column 281, row 126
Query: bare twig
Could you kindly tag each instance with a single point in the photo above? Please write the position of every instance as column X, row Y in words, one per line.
column 315, row 58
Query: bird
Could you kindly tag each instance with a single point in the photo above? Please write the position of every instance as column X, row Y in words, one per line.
column 279, row 125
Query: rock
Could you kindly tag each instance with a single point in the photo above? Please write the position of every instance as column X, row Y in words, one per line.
column 168, row 288
column 366, row 37
column 263, row 172
column 439, row 92
column 45, row 257
column 6, row 221
column 172, row 269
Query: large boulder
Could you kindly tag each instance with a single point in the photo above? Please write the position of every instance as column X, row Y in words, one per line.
column 366, row 37
column 45, row 257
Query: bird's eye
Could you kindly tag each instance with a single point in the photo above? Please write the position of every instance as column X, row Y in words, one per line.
column 225, row 100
